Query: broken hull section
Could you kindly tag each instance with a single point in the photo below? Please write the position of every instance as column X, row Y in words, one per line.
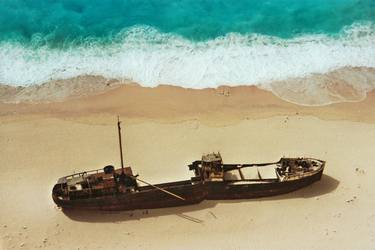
column 249, row 190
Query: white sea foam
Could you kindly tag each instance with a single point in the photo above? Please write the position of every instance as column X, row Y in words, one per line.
column 149, row 57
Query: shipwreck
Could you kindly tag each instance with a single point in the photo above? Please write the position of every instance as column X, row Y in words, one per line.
column 119, row 189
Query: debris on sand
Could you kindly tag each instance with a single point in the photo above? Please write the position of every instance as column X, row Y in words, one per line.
column 213, row 215
column 359, row 171
column 351, row 200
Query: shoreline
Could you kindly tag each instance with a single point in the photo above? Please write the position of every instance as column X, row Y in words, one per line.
column 345, row 84
column 350, row 90
column 224, row 105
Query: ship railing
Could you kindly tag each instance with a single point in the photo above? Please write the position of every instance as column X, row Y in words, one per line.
column 80, row 174
column 229, row 167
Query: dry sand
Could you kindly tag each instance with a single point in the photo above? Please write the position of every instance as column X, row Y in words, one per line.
column 165, row 129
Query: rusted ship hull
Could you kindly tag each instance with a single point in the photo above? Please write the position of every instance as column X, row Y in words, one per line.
column 149, row 198
column 237, row 190
column 144, row 198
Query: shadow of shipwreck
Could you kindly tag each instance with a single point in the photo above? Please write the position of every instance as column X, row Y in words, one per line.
column 120, row 216
column 326, row 185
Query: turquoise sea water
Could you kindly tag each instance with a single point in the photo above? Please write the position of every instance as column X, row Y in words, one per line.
column 194, row 43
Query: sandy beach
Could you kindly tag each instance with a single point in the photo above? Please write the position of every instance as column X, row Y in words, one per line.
column 166, row 128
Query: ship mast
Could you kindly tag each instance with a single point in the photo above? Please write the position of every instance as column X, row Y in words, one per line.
column 135, row 177
column 120, row 143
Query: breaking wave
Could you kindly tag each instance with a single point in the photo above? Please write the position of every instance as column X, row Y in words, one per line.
column 147, row 56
